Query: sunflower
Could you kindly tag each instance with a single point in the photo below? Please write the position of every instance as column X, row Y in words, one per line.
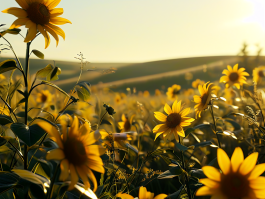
column 239, row 178
column 203, row 100
column 234, row 76
column 197, row 82
column 143, row 194
column 44, row 96
column 39, row 16
column 77, row 152
column 126, row 123
column 258, row 74
column 173, row 122
column 173, row 91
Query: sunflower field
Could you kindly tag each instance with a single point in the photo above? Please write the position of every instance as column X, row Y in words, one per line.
column 206, row 141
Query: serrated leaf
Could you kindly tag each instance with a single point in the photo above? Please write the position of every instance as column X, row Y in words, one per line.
column 28, row 134
column 8, row 65
column 38, row 54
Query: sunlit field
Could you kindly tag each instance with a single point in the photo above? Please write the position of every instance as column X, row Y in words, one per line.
column 176, row 128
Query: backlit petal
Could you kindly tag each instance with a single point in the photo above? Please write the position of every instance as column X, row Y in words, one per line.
column 59, row 21
column 23, row 4
column 56, row 12
column 223, row 161
column 73, row 131
column 142, row 192
column 176, row 106
column 160, row 128
column 160, row 117
column 260, row 193
column 249, row 163
column 257, row 171
column 209, row 183
column 212, row 173
column 55, row 154
column 53, row 4
column 19, row 22
column 93, row 179
column 64, row 170
column 83, row 176
column 18, row 12
column 257, row 183
column 32, row 31
column 124, row 196
column 204, row 191
column 161, row 196
column 74, row 177
column 237, row 158
column 57, row 30
column 167, row 109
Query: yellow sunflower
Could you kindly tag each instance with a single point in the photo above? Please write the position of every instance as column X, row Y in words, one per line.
column 44, row 96
column 173, row 122
column 126, row 123
column 203, row 100
column 197, row 82
column 39, row 15
column 77, row 152
column 234, row 76
column 258, row 74
column 173, row 91
column 239, row 178
column 143, row 194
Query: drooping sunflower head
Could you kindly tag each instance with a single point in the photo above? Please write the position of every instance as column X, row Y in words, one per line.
column 39, row 16
column 77, row 151
column 197, row 82
column 203, row 100
column 173, row 91
column 234, row 76
column 173, row 122
column 239, row 178
column 44, row 96
column 258, row 74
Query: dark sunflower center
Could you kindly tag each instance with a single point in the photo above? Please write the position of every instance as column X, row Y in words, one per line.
column 235, row 185
column 38, row 13
column 233, row 77
column 127, row 125
column 261, row 73
column 44, row 97
column 75, row 151
column 173, row 120
column 175, row 91
column 204, row 99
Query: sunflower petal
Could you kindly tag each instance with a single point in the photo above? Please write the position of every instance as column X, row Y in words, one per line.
column 257, row 171
column 223, row 161
column 57, row 30
column 209, row 183
column 249, row 163
column 56, row 12
column 124, row 196
column 237, row 159
column 204, row 191
column 257, row 183
column 23, row 4
column 19, row 22
column 53, row 4
column 212, row 173
column 55, row 154
column 160, row 196
column 74, row 177
column 32, row 31
column 59, row 21
column 142, row 192
column 260, row 193
column 167, row 109
column 160, row 117
column 176, row 106
column 64, row 170
column 18, row 12
column 82, row 174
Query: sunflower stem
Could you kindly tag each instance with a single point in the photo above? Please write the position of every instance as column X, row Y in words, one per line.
column 186, row 177
column 215, row 128
column 49, row 194
column 26, row 102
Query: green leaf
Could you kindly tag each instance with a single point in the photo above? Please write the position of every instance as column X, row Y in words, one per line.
column 30, row 135
column 83, row 90
column 8, row 181
column 203, row 144
column 234, row 124
column 54, row 74
column 198, row 173
column 54, row 86
column 188, row 131
column 181, row 147
column 3, row 141
column 176, row 194
column 5, row 120
column 43, row 73
column 38, row 54
column 46, row 166
column 13, row 31
column 8, row 65
column 171, row 173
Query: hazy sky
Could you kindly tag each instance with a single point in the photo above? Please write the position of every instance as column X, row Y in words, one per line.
column 146, row 30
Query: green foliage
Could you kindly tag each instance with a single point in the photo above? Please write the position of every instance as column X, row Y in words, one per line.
column 8, row 65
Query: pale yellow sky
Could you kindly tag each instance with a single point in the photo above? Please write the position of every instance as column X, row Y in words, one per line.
column 147, row 30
